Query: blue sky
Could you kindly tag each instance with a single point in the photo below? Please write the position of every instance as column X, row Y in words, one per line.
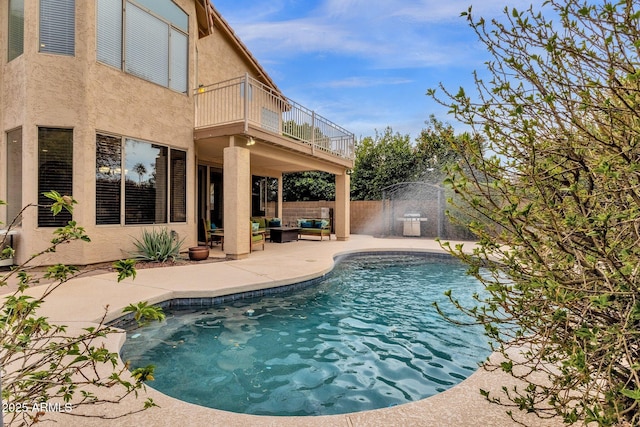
column 365, row 64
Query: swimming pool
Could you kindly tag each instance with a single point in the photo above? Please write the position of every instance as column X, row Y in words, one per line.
column 366, row 337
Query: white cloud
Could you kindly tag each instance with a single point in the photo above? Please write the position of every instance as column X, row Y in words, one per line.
column 415, row 34
column 439, row 11
column 286, row 38
column 380, row 56
column 361, row 82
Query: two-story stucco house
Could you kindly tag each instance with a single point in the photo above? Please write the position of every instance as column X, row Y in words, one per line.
column 150, row 113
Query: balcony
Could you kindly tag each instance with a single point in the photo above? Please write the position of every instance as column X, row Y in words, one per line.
column 247, row 102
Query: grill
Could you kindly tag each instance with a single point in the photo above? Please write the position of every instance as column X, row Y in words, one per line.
column 412, row 222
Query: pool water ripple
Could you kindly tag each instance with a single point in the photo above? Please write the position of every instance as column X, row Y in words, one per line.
column 367, row 337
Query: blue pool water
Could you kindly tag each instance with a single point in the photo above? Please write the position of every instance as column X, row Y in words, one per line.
column 367, row 337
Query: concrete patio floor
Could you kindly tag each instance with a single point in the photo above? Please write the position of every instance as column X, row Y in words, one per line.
column 83, row 300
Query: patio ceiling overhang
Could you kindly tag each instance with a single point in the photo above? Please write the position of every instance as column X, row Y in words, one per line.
column 270, row 152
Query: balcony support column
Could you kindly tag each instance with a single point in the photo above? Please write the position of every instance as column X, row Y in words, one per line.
column 342, row 212
column 237, row 201
column 280, row 197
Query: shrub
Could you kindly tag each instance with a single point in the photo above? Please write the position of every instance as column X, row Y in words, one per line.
column 46, row 363
column 554, row 198
column 157, row 245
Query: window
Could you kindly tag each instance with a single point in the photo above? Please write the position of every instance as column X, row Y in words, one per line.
column 108, row 179
column 14, row 174
column 178, row 186
column 109, row 32
column 155, row 182
column 58, row 26
column 145, row 194
column 156, row 40
column 55, row 172
column 16, row 28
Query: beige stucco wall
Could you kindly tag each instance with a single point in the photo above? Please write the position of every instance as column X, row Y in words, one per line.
column 77, row 92
column 80, row 93
column 217, row 60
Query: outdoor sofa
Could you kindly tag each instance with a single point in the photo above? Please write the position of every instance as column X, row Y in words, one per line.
column 314, row 227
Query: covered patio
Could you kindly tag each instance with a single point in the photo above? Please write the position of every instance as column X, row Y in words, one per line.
column 245, row 128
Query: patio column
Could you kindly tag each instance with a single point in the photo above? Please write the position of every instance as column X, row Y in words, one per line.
column 342, row 211
column 237, row 201
column 280, row 191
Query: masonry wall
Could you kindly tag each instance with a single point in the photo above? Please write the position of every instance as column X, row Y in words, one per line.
column 372, row 217
column 365, row 215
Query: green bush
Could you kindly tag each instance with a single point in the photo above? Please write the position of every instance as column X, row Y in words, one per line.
column 42, row 361
column 157, row 245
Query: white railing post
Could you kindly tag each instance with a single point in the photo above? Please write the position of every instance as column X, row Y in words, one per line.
column 313, row 132
column 246, row 102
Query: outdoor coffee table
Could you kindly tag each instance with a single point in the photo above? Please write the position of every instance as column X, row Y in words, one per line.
column 284, row 234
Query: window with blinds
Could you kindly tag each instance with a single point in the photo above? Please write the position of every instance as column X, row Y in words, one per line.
column 178, row 54
column 58, row 26
column 156, row 41
column 178, row 189
column 154, row 184
column 16, row 28
column 109, row 32
column 108, row 179
column 14, row 175
column 55, row 172
column 146, row 54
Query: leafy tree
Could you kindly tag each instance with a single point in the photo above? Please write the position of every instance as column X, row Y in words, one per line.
column 380, row 161
column 433, row 151
column 390, row 158
column 312, row 185
column 45, row 363
column 555, row 197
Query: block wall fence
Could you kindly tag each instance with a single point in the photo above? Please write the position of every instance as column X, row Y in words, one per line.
column 369, row 217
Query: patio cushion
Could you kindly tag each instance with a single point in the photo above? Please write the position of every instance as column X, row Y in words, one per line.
column 262, row 221
column 275, row 222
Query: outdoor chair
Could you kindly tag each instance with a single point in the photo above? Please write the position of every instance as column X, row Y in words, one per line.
column 211, row 233
column 257, row 237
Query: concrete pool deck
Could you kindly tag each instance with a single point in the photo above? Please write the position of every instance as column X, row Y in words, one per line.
column 83, row 300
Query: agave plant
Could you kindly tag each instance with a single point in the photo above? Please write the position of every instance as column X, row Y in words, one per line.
column 157, row 245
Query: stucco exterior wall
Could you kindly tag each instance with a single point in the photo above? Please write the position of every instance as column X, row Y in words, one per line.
column 217, row 60
column 78, row 92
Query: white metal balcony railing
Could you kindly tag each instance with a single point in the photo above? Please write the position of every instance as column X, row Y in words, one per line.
column 230, row 102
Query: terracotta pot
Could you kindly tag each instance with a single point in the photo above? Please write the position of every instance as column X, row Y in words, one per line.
column 198, row 253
